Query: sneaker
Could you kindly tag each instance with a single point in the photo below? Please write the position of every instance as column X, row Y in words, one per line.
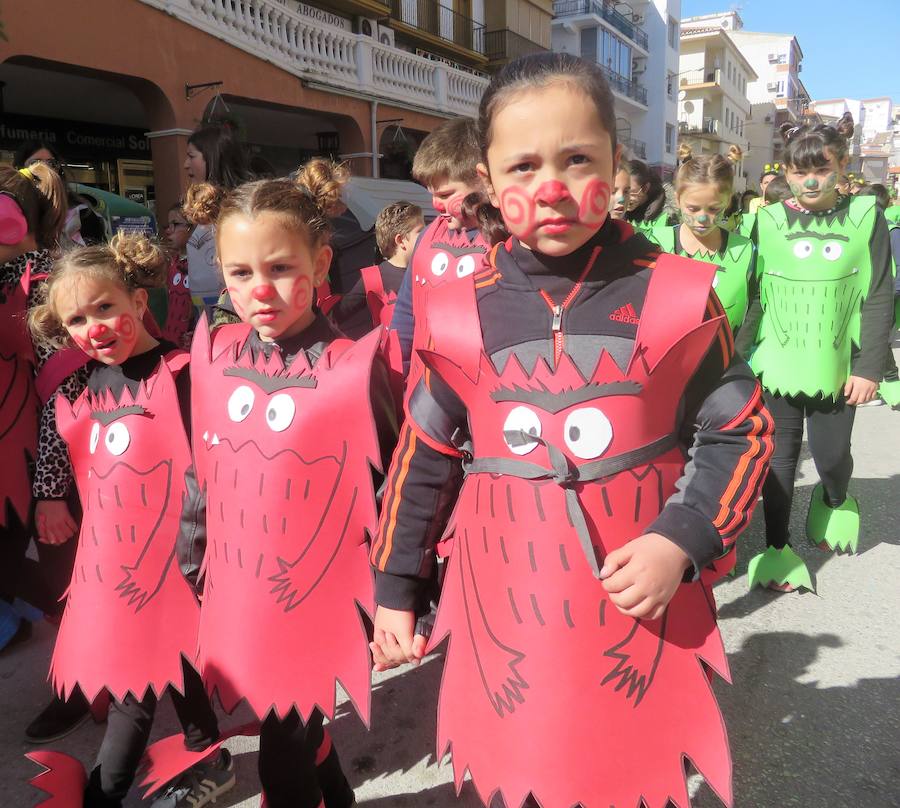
column 58, row 719
column 201, row 784
column 875, row 402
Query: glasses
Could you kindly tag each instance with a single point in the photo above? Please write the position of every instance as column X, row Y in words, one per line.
column 176, row 225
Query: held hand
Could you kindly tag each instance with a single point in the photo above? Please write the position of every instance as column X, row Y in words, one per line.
column 642, row 576
column 395, row 642
column 859, row 390
column 55, row 524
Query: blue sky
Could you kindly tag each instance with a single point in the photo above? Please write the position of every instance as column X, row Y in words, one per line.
column 845, row 54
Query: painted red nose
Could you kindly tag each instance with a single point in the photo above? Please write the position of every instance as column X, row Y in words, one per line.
column 97, row 331
column 552, row 192
column 438, row 205
column 263, row 292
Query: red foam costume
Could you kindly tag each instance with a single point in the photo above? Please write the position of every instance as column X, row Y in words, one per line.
column 19, row 406
column 285, row 454
column 130, row 615
column 547, row 688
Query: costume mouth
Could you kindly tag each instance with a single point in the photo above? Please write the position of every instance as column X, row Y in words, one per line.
column 782, row 277
column 131, row 505
column 282, row 495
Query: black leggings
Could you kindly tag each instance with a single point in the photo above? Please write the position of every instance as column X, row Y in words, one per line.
column 829, row 425
column 287, row 760
column 128, row 729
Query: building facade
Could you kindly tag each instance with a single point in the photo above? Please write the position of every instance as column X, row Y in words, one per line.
column 636, row 45
column 776, row 96
column 713, row 108
column 118, row 85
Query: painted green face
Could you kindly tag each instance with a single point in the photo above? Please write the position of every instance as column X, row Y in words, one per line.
column 701, row 207
column 815, row 188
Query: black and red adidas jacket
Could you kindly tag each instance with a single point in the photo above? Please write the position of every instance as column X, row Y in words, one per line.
column 726, row 432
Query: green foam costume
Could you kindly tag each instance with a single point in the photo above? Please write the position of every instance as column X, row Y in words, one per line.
column 734, row 267
column 892, row 214
column 814, row 273
column 781, row 567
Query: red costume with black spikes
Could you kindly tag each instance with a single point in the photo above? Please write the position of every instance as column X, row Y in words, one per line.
column 285, row 455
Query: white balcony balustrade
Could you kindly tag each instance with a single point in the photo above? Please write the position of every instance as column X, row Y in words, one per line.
column 329, row 56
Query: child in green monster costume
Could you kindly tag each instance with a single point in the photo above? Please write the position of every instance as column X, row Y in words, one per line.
column 824, row 281
column 703, row 189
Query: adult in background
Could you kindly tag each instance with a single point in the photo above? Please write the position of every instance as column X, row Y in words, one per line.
column 214, row 155
column 648, row 197
column 82, row 225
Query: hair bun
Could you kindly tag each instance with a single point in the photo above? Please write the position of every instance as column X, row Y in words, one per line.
column 324, row 180
column 735, row 153
column 845, row 126
column 142, row 262
column 202, row 203
column 685, row 152
column 789, row 131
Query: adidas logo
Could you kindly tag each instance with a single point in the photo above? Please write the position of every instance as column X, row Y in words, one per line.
column 625, row 314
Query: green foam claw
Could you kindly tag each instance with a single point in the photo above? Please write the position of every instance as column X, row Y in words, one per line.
column 779, row 567
column 890, row 393
column 836, row 527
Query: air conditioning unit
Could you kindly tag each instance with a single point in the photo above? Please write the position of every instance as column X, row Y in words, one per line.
column 773, row 57
column 367, row 26
column 386, row 36
column 637, row 19
column 638, row 66
column 772, row 85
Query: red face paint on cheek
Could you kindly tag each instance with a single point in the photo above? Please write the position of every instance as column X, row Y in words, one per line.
column 84, row 344
column 517, row 208
column 454, row 207
column 301, row 296
column 594, row 203
column 125, row 327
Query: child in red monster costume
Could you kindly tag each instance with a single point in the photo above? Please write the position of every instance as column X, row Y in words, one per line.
column 289, row 421
column 601, row 447
column 32, row 213
column 451, row 246
column 370, row 303
column 180, row 314
column 130, row 621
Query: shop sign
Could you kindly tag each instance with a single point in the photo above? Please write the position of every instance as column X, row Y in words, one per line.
column 317, row 14
column 74, row 138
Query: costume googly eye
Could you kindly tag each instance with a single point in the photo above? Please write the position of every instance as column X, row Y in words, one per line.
column 521, row 419
column 186, row 282
column 240, row 403
column 95, row 437
column 280, row 412
column 803, row 249
column 465, row 266
column 587, row 433
column 439, row 264
column 117, row 438
column 831, row 251
column 176, row 279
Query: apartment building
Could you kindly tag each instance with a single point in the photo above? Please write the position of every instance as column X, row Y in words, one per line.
column 636, row 45
column 360, row 80
column 872, row 147
column 776, row 95
column 713, row 108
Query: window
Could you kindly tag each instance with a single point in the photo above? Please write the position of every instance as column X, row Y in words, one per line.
column 670, row 86
column 589, row 44
column 673, row 33
column 670, row 139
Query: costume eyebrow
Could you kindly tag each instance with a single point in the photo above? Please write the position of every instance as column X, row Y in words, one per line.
column 819, row 236
column 457, row 252
column 556, row 402
column 106, row 417
column 270, row 384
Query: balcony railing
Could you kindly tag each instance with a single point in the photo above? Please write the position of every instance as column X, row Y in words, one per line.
column 637, row 147
column 321, row 54
column 623, row 86
column 604, row 10
column 700, row 76
column 506, row 44
column 709, row 126
column 432, row 18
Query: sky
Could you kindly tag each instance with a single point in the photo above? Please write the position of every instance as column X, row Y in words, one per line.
column 845, row 54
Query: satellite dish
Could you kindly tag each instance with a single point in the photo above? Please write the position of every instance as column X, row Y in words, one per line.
column 682, row 94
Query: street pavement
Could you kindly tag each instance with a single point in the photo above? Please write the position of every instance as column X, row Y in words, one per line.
column 813, row 714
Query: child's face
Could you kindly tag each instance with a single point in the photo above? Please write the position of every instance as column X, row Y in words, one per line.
column 764, row 183
column 447, row 198
column 101, row 317
column 550, row 168
column 816, row 188
column 621, row 195
column 178, row 231
column 701, row 207
column 271, row 272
